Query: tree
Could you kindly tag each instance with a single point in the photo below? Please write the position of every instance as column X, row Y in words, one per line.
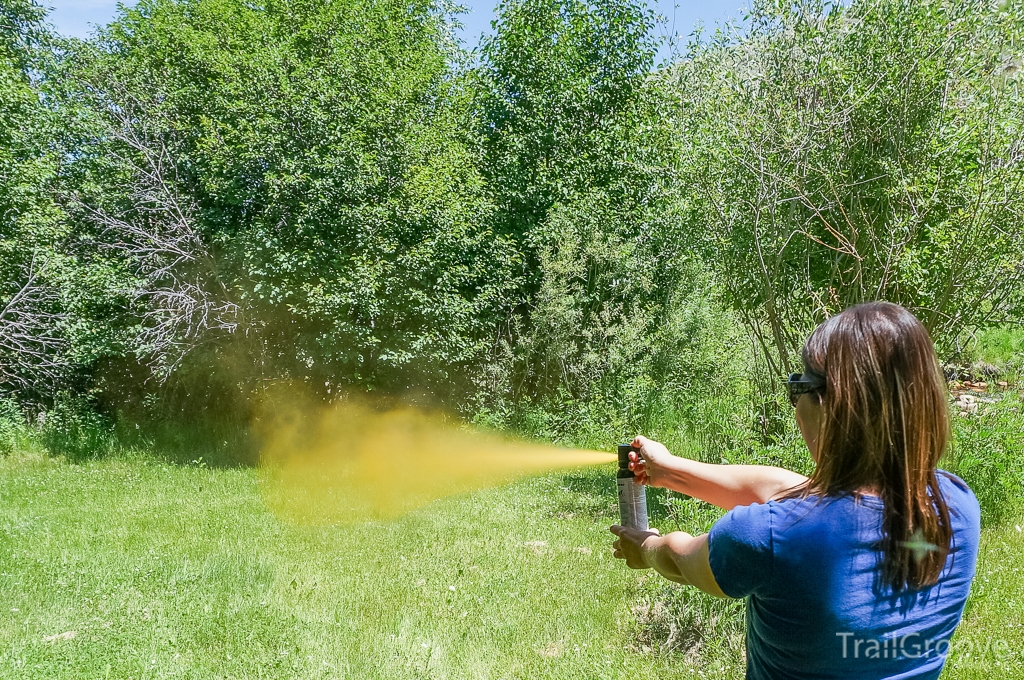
column 32, row 348
column 841, row 155
column 562, row 85
column 289, row 187
column 579, row 165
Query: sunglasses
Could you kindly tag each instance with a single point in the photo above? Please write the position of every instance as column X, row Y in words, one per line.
column 802, row 383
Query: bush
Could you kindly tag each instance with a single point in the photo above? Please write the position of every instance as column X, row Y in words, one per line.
column 843, row 154
column 12, row 426
column 74, row 428
column 599, row 365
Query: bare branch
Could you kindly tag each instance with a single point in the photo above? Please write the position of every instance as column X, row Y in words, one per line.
column 154, row 228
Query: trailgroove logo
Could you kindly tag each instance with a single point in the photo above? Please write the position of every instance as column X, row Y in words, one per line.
column 915, row 646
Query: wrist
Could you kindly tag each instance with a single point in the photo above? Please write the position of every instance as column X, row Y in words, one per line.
column 650, row 548
column 677, row 475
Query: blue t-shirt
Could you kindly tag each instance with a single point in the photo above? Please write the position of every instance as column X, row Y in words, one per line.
column 816, row 607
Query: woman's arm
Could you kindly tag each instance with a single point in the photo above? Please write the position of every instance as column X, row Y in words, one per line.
column 678, row 556
column 723, row 485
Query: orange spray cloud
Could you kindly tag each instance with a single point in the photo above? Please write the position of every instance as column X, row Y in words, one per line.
column 349, row 462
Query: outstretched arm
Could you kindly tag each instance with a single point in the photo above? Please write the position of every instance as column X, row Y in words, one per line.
column 678, row 556
column 723, row 485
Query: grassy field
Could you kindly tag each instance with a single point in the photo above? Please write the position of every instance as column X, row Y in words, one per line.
column 172, row 571
column 134, row 568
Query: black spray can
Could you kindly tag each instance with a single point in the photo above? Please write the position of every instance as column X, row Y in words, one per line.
column 632, row 496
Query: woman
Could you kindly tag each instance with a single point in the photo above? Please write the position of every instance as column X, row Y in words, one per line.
column 861, row 570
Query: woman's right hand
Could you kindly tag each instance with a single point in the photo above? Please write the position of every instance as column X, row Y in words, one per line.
column 650, row 465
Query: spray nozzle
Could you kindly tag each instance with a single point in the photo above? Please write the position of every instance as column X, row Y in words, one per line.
column 624, row 451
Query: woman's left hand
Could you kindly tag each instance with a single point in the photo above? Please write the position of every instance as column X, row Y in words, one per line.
column 632, row 545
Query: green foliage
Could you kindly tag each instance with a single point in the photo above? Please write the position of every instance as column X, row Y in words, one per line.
column 564, row 107
column 30, row 263
column 577, row 157
column 12, row 426
column 318, row 181
column 986, row 453
column 546, row 234
column 75, row 429
column 848, row 154
column 681, row 376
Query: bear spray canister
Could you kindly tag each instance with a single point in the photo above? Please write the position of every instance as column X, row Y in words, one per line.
column 632, row 496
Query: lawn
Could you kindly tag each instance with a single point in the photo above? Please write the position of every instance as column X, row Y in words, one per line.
column 131, row 567
column 180, row 571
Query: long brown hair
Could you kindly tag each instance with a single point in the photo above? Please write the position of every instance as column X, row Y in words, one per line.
column 884, row 426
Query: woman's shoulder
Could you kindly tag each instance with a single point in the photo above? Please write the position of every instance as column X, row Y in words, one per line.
column 959, row 498
column 756, row 523
column 951, row 479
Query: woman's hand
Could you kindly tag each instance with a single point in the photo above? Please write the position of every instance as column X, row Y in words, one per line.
column 651, row 464
column 633, row 545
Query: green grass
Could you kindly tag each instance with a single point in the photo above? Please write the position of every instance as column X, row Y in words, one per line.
column 180, row 571
column 164, row 567
column 990, row 640
column 988, row 452
column 1003, row 347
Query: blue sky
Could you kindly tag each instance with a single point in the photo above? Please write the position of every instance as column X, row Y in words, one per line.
column 77, row 17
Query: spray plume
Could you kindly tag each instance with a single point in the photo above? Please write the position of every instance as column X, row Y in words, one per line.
column 350, row 462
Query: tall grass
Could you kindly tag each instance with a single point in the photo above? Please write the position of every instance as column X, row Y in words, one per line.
column 987, row 453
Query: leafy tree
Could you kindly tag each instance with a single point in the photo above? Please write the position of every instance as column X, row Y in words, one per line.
column 290, row 186
column 840, row 155
column 579, row 164
column 32, row 355
column 562, row 86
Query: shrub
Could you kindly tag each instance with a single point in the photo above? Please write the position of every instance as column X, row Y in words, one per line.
column 12, row 426
column 75, row 429
column 841, row 154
